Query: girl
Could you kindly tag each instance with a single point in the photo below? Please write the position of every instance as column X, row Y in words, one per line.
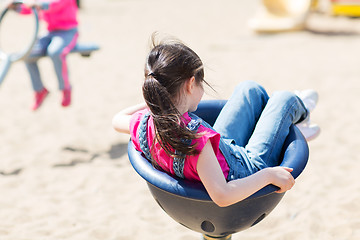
column 60, row 39
column 235, row 158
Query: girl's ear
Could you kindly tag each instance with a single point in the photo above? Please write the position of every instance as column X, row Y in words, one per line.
column 190, row 84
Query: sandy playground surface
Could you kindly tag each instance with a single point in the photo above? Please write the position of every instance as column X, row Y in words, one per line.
column 65, row 174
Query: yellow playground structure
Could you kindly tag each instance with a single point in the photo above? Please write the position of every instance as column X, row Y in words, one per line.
column 291, row 15
column 349, row 8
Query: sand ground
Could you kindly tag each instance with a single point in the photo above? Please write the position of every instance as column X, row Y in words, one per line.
column 65, row 174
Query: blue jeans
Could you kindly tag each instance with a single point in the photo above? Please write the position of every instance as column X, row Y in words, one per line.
column 254, row 127
column 55, row 44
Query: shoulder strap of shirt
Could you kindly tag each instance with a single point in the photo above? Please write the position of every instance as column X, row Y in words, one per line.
column 144, row 144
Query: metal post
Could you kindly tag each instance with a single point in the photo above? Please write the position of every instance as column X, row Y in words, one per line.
column 206, row 237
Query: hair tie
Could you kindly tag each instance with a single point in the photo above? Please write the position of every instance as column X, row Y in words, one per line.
column 154, row 76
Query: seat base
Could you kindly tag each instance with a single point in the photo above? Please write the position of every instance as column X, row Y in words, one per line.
column 205, row 237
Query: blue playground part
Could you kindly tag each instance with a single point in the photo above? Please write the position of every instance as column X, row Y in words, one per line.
column 84, row 49
column 6, row 59
column 189, row 204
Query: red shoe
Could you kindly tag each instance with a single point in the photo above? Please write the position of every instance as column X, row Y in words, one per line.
column 39, row 98
column 66, row 100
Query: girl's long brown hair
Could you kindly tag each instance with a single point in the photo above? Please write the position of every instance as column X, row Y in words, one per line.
column 168, row 66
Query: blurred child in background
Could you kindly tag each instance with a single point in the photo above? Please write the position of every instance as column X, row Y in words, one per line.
column 57, row 42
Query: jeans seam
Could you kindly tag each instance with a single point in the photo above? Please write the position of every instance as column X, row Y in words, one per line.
column 280, row 127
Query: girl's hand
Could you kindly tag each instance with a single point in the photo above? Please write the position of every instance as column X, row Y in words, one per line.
column 11, row 4
column 31, row 3
column 282, row 178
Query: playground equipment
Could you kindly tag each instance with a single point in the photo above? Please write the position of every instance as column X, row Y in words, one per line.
column 350, row 8
column 6, row 59
column 280, row 15
column 188, row 202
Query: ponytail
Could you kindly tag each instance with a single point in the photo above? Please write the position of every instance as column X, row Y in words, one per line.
column 168, row 67
column 169, row 124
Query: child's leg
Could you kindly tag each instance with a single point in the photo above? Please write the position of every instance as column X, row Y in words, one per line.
column 272, row 128
column 32, row 66
column 34, row 72
column 61, row 44
column 238, row 118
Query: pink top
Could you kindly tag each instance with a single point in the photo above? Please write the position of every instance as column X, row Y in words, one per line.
column 164, row 160
column 59, row 14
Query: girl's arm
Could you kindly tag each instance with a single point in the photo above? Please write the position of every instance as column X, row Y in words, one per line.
column 121, row 120
column 225, row 193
